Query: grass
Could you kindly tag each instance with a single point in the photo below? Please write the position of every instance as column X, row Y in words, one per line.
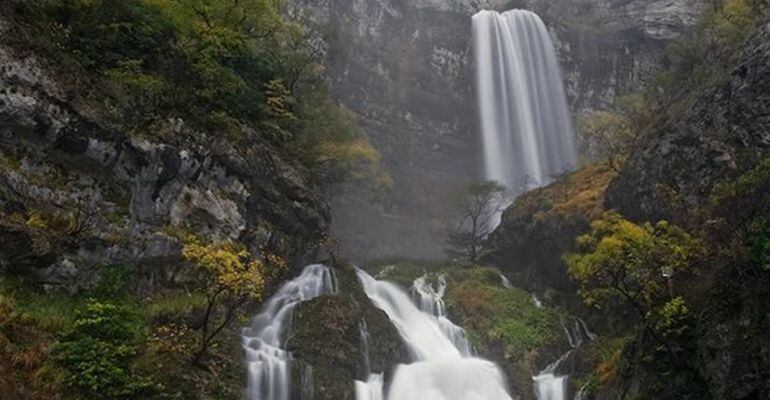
column 491, row 312
column 174, row 304
column 50, row 311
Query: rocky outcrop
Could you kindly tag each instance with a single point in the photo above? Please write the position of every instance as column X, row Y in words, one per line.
column 723, row 133
column 326, row 341
column 541, row 226
column 405, row 69
column 79, row 193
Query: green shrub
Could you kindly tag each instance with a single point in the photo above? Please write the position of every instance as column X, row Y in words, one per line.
column 98, row 349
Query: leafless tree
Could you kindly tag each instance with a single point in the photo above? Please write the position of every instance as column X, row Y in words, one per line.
column 480, row 205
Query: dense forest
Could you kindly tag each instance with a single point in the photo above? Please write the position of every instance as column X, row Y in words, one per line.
column 169, row 167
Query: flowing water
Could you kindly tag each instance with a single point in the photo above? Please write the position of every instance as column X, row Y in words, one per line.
column 549, row 385
column 430, row 299
column 442, row 366
column 525, row 123
column 442, row 362
column 268, row 363
column 372, row 388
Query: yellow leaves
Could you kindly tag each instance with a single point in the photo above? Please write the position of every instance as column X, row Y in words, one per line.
column 621, row 258
column 278, row 98
column 229, row 267
column 36, row 221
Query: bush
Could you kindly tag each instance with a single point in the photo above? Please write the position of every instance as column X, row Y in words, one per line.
column 97, row 352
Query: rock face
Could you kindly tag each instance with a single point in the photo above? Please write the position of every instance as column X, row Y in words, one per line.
column 326, row 339
column 77, row 193
column 405, row 68
column 723, row 133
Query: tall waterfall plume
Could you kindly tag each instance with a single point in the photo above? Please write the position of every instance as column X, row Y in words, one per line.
column 525, row 123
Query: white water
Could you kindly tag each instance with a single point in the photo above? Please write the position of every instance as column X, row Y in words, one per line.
column 506, row 282
column 440, row 370
column 548, row 384
column 372, row 388
column 430, row 299
column 538, row 303
column 526, row 130
column 268, row 363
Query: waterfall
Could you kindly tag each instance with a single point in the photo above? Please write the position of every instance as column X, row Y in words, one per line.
column 431, row 301
column 363, row 334
column 506, row 283
column 548, row 384
column 526, row 131
column 538, row 303
column 372, row 388
column 440, row 369
column 268, row 363
column 306, row 383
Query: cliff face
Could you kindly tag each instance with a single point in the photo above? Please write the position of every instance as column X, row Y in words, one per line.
column 77, row 193
column 723, row 133
column 405, row 68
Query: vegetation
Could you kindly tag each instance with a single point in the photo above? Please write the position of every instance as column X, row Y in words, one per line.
column 231, row 279
column 235, row 70
column 607, row 138
column 97, row 351
column 479, row 205
column 637, row 264
column 492, row 313
column 694, row 61
column 108, row 343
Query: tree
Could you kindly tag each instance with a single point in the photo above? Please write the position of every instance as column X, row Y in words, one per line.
column 636, row 264
column 607, row 137
column 480, row 205
column 230, row 278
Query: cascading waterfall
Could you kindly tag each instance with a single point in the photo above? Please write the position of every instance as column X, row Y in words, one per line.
column 548, row 384
column 525, row 123
column 440, row 370
column 268, row 363
column 431, row 301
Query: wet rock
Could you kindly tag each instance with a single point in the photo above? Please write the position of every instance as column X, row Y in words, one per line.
column 326, row 336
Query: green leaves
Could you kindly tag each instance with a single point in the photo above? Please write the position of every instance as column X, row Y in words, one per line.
column 97, row 351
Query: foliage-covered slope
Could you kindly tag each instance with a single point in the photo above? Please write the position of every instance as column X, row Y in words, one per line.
column 129, row 131
column 701, row 162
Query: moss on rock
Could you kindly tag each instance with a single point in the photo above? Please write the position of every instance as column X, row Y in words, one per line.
column 325, row 336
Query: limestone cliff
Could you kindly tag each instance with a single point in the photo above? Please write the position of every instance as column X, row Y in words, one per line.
column 78, row 193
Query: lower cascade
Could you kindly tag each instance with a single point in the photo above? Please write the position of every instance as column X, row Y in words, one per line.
column 269, row 369
column 443, row 367
column 549, row 385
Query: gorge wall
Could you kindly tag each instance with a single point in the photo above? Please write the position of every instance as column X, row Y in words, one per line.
column 405, row 69
column 77, row 192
